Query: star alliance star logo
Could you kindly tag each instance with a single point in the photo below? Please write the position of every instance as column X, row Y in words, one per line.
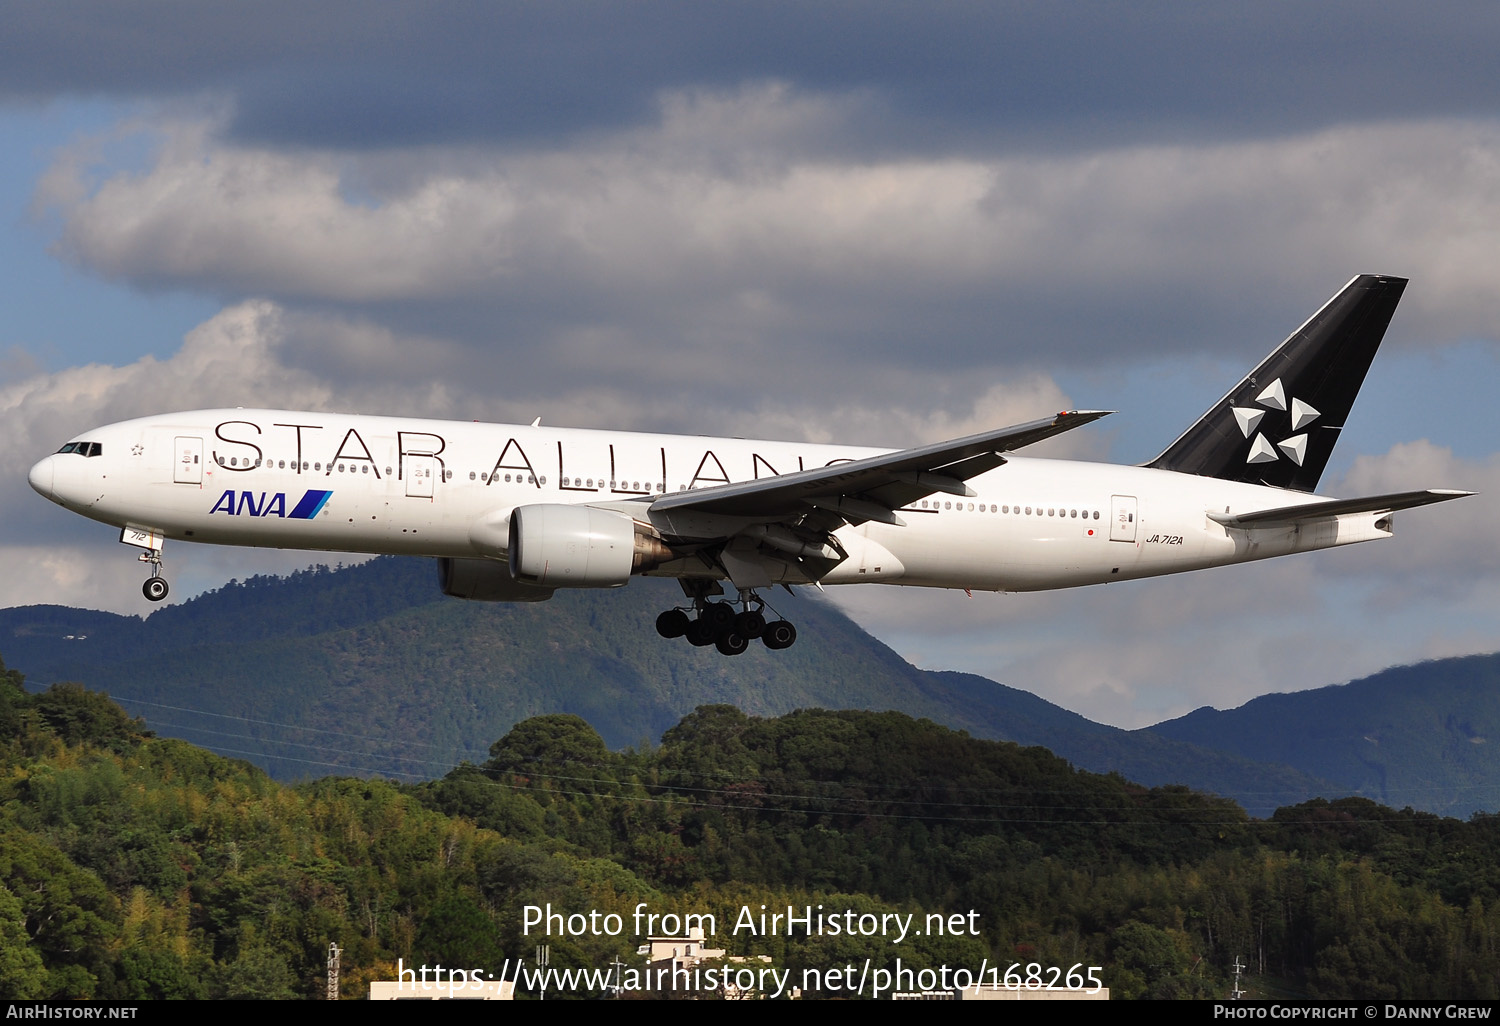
column 1273, row 397
column 136, row 450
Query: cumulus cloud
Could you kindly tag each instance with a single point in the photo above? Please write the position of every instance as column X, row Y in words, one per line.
column 687, row 255
column 228, row 361
column 231, row 360
column 1438, row 548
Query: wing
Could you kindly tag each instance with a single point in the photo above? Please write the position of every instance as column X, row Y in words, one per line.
column 1287, row 515
column 875, row 487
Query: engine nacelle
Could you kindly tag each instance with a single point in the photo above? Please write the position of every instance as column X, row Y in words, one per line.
column 558, row 546
column 486, row 580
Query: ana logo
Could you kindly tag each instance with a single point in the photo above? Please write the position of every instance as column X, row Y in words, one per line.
column 1273, row 397
column 270, row 504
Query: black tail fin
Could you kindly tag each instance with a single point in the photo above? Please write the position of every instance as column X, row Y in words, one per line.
column 1279, row 425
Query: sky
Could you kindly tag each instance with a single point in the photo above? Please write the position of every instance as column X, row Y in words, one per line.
column 872, row 223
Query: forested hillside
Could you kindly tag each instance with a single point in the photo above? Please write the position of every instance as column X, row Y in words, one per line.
column 1426, row 735
column 368, row 669
column 133, row 866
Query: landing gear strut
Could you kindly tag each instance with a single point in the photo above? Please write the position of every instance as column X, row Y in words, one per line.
column 155, row 589
column 718, row 624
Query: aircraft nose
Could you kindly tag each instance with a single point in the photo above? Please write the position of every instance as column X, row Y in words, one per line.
column 41, row 477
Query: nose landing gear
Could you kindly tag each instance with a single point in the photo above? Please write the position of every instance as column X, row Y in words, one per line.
column 155, row 589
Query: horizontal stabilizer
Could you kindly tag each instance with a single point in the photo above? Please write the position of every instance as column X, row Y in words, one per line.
column 1336, row 507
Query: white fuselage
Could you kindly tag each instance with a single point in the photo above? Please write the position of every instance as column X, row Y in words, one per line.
column 440, row 488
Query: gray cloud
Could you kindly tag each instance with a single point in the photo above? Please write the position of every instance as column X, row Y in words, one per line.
column 677, row 258
column 344, row 75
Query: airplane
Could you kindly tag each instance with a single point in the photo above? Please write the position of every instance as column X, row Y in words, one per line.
column 513, row 513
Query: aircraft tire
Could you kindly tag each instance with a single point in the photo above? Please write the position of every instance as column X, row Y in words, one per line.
column 155, row 589
column 674, row 623
column 750, row 623
column 732, row 642
column 700, row 633
column 779, row 634
column 719, row 614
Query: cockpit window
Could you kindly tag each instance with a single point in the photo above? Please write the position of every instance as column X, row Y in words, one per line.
column 83, row 448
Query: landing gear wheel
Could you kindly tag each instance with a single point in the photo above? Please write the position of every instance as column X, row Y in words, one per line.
column 720, row 615
column 750, row 623
column 732, row 643
column 700, row 633
column 779, row 634
column 155, row 589
column 674, row 623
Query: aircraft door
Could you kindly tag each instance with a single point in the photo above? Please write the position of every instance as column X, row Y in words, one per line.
column 421, row 475
column 1122, row 518
column 187, row 460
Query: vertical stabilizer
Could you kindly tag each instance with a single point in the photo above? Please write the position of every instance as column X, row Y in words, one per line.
column 1279, row 425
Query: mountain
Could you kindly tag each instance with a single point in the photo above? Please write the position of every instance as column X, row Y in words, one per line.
column 1427, row 736
column 368, row 669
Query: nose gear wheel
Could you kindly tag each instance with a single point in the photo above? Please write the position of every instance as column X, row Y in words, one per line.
column 155, row 589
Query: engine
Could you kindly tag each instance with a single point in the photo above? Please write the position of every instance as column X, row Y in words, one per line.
column 557, row 546
column 486, row 580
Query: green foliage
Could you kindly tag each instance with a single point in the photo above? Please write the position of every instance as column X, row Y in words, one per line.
column 549, row 744
column 23, row 974
column 135, row 867
column 88, row 717
column 457, row 932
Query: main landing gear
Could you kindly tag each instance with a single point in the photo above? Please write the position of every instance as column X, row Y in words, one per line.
column 717, row 624
column 155, row 589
